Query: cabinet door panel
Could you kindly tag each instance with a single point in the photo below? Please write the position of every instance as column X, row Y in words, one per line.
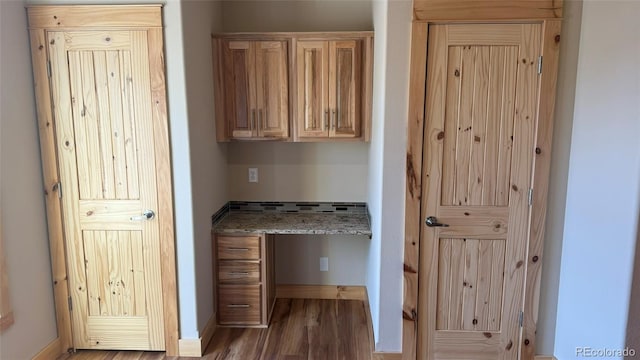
column 272, row 89
column 344, row 88
column 239, row 72
column 312, row 103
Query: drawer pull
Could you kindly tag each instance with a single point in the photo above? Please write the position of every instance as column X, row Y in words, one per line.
column 239, row 273
column 238, row 305
column 238, row 249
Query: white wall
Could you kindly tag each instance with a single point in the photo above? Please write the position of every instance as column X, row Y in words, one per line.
column 208, row 158
column 298, row 171
column 389, row 150
column 604, row 177
column 24, row 226
column 566, row 88
column 376, row 154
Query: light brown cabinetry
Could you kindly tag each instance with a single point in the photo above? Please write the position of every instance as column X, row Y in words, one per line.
column 329, row 88
column 245, row 279
column 317, row 84
column 256, row 94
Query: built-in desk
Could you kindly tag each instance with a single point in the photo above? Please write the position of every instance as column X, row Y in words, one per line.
column 295, row 223
column 243, row 236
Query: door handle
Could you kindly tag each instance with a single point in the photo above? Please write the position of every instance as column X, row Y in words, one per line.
column 146, row 215
column 432, row 221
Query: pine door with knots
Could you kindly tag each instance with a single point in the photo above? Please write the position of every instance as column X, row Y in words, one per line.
column 101, row 89
column 481, row 118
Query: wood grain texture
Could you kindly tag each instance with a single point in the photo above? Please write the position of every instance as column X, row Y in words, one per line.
column 485, row 10
column 345, row 72
column 471, row 297
column 546, row 107
column 165, row 189
column 301, row 329
column 52, row 351
column 78, row 16
column 272, row 89
column 50, row 175
column 413, row 193
column 327, row 292
column 239, row 80
column 312, row 80
column 103, row 110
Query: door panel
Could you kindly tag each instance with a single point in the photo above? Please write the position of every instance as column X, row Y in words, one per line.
column 239, row 72
column 107, row 171
column 272, row 89
column 344, row 88
column 479, row 149
column 312, row 86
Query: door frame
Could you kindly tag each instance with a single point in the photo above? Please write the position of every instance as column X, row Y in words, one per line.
column 112, row 17
column 427, row 12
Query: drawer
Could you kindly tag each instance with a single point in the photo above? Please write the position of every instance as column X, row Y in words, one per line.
column 239, row 304
column 238, row 247
column 238, row 272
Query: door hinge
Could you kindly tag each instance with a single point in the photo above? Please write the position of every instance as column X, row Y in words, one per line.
column 521, row 318
column 70, row 301
column 540, row 64
column 57, row 187
column 530, row 196
column 48, row 68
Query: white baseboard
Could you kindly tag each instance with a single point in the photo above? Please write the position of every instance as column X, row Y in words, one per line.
column 196, row 347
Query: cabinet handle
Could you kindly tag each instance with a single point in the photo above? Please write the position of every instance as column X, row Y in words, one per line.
column 238, row 306
column 326, row 120
column 333, row 119
column 261, row 122
column 239, row 273
column 238, row 249
column 253, row 119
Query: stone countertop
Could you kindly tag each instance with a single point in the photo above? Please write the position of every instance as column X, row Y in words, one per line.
column 294, row 223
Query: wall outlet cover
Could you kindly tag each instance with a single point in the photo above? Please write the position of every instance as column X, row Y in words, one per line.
column 324, row 264
column 253, row 175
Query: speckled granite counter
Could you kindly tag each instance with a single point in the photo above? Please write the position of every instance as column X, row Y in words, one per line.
column 345, row 219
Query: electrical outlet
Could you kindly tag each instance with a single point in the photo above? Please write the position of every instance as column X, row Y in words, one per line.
column 253, row 175
column 324, row 264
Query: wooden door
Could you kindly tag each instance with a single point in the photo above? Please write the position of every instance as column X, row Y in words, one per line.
column 272, row 89
column 481, row 114
column 312, row 59
column 104, row 115
column 239, row 79
column 344, row 88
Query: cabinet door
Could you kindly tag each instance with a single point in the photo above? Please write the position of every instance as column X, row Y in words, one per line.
column 344, row 88
column 272, row 89
column 312, row 84
column 239, row 75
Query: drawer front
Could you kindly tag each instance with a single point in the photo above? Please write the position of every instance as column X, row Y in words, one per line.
column 238, row 247
column 236, row 272
column 239, row 304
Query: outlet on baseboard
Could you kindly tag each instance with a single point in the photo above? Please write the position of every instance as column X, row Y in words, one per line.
column 253, row 175
column 324, row 264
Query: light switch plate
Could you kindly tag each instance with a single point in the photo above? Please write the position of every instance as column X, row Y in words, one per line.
column 253, row 175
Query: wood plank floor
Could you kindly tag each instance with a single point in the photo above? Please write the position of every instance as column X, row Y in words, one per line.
column 300, row 329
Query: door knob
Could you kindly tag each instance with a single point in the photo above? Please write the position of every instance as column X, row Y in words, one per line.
column 146, row 215
column 432, row 221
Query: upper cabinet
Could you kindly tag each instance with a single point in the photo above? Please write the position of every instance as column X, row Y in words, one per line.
column 317, row 84
column 256, row 102
column 329, row 89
